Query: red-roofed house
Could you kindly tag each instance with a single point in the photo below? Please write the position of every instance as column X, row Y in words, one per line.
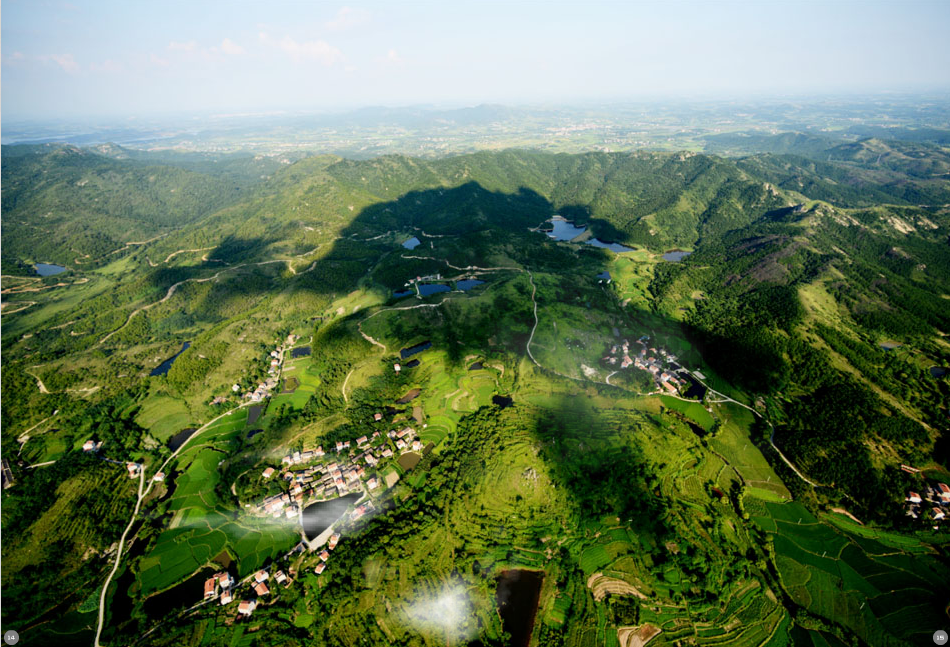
column 944, row 492
column 913, row 497
column 334, row 540
column 320, row 568
column 324, row 555
column 210, row 586
column 226, row 598
column 261, row 589
column 269, row 472
column 247, row 607
column 261, row 576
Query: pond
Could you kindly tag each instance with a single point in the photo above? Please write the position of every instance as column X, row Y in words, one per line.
column 253, row 432
column 48, row 269
column 425, row 289
column 179, row 439
column 409, row 460
column 605, row 275
column 253, row 413
column 675, row 256
column 302, row 351
column 409, row 397
column 411, row 363
column 412, row 243
column 162, row 368
column 890, row 345
column 189, row 592
column 477, row 366
column 412, row 350
column 614, row 247
column 502, row 401
column 467, row 284
column 564, row 230
column 517, row 597
column 938, row 371
column 319, row 516
column 402, row 293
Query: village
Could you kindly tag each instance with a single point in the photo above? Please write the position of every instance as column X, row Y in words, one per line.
column 936, row 497
column 667, row 374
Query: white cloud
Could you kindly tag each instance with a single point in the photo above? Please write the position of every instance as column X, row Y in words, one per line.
column 182, row 46
column 158, row 60
column 14, row 58
column 317, row 51
column 392, row 56
column 348, row 17
column 107, row 65
column 65, row 61
column 231, row 48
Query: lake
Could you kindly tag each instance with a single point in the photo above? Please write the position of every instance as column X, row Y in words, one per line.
column 412, row 243
column 517, row 596
column 412, row 350
column 467, row 284
column 564, row 230
column 425, row 289
column 614, row 247
column 48, row 269
column 179, row 439
column 319, row 516
column 675, row 256
column 162, row 368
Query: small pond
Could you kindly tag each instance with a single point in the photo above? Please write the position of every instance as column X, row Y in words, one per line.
column 412, row 350
column 564, row 230
column 614, row 247
column 412, row 243
column 402, row 293
column 409, row 460
column 319, row 516
column 409, row 397
column 502, row 401
column 675, row 256
column 425, row 289
column 254, row 432
column 179, row 439
column 938, row 371
column 411, row 363
column 517, row 596
column 48, row 269
column 890, row 345
column 253, row 413
column 302, row 351
column 467, row 284
column 477, row 366
column 162, row 368
column 605, row 275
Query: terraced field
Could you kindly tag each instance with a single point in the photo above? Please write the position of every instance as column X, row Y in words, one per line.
column 839, row 572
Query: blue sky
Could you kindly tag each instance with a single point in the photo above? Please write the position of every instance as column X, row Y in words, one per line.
column 72, row 59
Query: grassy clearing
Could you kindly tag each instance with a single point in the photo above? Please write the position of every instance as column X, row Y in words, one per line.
column 164, row 416
column 695, row 411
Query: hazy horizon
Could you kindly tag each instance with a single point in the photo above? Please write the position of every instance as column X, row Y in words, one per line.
column 69, row 60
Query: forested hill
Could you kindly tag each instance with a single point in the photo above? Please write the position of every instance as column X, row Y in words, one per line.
column 801, row 268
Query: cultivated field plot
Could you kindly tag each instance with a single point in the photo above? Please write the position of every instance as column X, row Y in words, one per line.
column 881, row 592
column 695, row 411
column 164, row 416
column 732, row 442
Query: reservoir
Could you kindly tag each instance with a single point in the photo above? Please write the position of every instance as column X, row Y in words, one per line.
column 467, row 284
column 48, row 269
column 162, row 368
column 412, row 243
column 319, row 516
column 675, row 256
column 517, row 596
column 425, row 289
column 614, row 247
column 564, row 230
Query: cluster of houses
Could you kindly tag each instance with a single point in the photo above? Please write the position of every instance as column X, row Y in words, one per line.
column 222, row 585
column 335, row 478
column 936, row 497
column 325, row 553
column 657, row 361
column 263, row 389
